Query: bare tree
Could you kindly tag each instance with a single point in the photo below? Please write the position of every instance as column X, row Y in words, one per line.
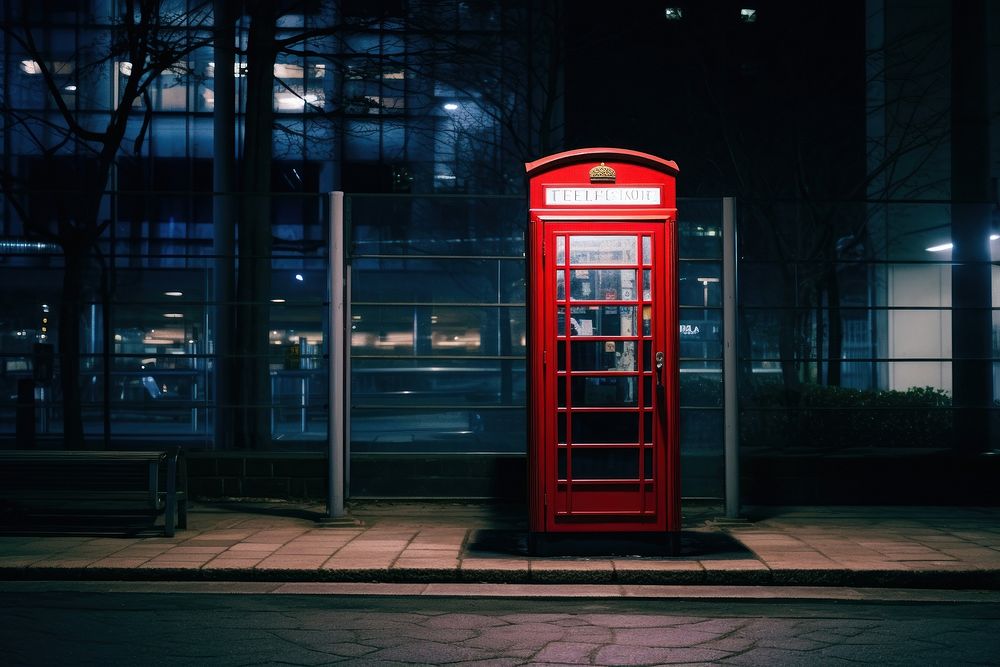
column 481, row 63
column 140, row 45
column 815, row 201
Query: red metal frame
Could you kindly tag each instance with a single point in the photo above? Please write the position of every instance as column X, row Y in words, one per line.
column 625, row 505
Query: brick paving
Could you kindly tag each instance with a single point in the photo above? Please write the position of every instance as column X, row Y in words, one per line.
column 452, row 542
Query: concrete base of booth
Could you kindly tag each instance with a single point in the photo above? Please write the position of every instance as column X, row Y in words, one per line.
column 604, row 544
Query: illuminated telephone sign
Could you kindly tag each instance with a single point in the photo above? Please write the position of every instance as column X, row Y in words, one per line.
column 603, row 343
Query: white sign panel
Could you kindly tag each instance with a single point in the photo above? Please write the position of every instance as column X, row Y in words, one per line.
column 624, row 196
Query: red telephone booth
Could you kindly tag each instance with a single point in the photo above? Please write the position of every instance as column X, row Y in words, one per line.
column 603, row 343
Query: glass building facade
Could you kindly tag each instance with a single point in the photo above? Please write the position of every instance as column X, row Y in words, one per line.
column 424, row 99
column 844, row 354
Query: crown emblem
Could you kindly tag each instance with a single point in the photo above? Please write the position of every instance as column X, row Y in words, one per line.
column 602, row 173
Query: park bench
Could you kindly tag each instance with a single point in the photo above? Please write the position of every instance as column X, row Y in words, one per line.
column 39, row 487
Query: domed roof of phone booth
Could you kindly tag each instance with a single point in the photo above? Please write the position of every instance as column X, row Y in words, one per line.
column 603, row 153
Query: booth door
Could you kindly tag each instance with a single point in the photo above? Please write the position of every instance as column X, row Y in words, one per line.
column 605, row 464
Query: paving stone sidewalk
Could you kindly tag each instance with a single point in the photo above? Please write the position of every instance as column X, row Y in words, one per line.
column 473, row 543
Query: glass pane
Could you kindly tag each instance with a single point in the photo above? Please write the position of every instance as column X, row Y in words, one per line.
column 601, row 392
column 512, row 282
column 601, row 463
column 560, row 250
column 561, row 321
column 701, row 334
column 448, row 383
column 602, row 321
column 701, row 387
column 605, row 284
column 426, row 330
column 647, row 313
column 647, row 290
column 703, row 430
column 699, row 234
column 560, row 286
column 700, row 284
column 593, row 355
column 454, row 429
column 647, row 250
column 437, row 226
column 384, row 279
column 602, row 250
column 382, row 330
column 605, row 427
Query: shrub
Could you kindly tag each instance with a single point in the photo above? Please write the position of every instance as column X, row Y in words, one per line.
column 839, row 418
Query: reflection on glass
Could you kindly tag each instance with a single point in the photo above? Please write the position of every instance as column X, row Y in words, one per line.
column 408, row 330
column 647, row 326
column 560, row 286
column 647, row 250
column 602, row 250
column 561, row 321
column 596, row 355
column 647, row 291
column 560, row 250
column 602, row 321
column 602, row 284
column 389, row 383
column 387, row 279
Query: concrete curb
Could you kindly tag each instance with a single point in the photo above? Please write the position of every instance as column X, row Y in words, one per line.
column 622, row 592
column 920, row 579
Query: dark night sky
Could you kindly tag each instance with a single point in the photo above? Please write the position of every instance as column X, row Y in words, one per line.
column 709, row 86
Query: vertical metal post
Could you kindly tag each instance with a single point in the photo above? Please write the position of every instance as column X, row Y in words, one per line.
column 335, row 346
column 729, row 371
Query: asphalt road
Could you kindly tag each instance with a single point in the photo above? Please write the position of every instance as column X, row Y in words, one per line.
column 107, row 628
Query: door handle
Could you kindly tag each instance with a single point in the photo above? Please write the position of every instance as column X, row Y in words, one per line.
column 659, row 370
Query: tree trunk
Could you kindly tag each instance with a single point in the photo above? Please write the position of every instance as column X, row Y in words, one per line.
column 835, row 340
column 223, row 223
column 69, row 347
column 106, row 358
column 789, row 354
column 971, row 317
column 820, row 357
column 253, row 283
